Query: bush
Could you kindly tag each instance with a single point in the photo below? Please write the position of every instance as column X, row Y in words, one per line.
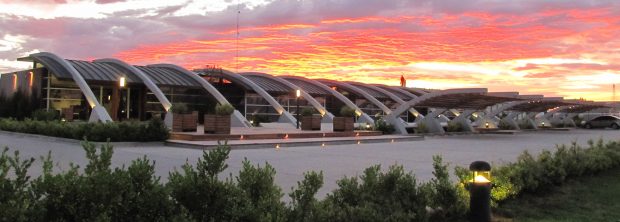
column 45, row 115
column 421, row 128
column 307, row 112
column 504, row 125
column 378, row 196
column 153, row 130
column 448, row 200
column 224, row 109
column 530, row 174
column 346, row 111
column 199, row 193
column 454, row 127
column 384, row 127
column 179, row 108
column 19, row 105
column 525, row 124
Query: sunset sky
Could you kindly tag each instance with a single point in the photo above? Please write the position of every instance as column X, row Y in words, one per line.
column 568, row 48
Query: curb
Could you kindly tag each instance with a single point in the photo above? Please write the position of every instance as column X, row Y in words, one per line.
column 74, row 141
column 273, row 145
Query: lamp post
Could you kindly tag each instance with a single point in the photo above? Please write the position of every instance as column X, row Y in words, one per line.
column 480, row 192
column 122, row 82
column 297, row 95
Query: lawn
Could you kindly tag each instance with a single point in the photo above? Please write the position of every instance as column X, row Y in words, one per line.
column 592, row 198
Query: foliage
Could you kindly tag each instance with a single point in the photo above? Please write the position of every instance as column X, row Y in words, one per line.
column 454, row 127
column 525, row 124
column 539, row 174
column 422, row 128
column 200, row 193
column 378, row 196
column 100, row 193
column 578, row 121
column 346, row 111
column 179, row 108
column 448, row 200
column 19, row 105
column 224, row 109
column 307, row 112
column 153, row 130
column 504, row 125
column 384, row 127
column 45, row 115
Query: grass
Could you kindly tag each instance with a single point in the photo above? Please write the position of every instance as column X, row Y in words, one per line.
column 592, row 198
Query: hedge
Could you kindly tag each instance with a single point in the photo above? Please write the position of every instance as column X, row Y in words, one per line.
column 153, row 130
column 201, row 193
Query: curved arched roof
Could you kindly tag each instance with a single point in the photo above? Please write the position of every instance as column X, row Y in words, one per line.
column 92, row 71
column 168, row 77
column 267, row 84
column 308, row 87
column 371, row 91
column 396, row 92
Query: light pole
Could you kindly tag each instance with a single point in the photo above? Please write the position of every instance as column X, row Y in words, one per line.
column 297, row 95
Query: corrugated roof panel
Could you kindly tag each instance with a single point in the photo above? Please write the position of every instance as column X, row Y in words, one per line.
column 58, row 70
column 168, row 77
column 268, row 85
column 102, row 72
column 396, row 92
column 372, row 92
column 308, row 87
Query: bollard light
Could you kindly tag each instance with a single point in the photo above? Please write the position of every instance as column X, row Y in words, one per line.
column 367, row 126
column 480, row 192
column 486, row 125
column 543, row 124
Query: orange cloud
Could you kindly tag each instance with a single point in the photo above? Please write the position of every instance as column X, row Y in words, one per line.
column 379, row 49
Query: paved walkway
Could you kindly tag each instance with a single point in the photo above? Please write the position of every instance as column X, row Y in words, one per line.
column 334, row 161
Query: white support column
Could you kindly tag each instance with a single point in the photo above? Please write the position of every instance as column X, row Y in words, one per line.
column 98, row 113
column 363, row 117
column 237, row 119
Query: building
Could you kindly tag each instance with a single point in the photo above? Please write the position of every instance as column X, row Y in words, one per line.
column 112, row 90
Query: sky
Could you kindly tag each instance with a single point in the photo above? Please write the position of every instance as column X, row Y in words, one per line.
column 567, row 48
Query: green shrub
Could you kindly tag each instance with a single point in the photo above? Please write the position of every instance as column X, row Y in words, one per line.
column 378, row 196
column 346, row 111
column 448, row 200
column 454, row 127
column 307, row 112
column 421, row 128
column 180, row 108
column 384, row 127
column 525, row 124
column 224, row 109
column 153, row 130
column 45, row 115
column 504, row 125
column 304, row 205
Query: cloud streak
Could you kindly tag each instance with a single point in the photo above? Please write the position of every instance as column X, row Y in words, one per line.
column 532, row 46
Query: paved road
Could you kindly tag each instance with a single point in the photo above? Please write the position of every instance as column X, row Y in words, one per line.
column 334, row 161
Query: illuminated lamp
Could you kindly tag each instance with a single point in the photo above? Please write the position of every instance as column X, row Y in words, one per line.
column 122, row 82
column 367, row 126
column 297, row 95
column 31, row 79
column 480, row 191
column 15, row 82
column 486, row 125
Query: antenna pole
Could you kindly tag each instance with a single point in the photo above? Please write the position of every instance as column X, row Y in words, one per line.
column 237, row 41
